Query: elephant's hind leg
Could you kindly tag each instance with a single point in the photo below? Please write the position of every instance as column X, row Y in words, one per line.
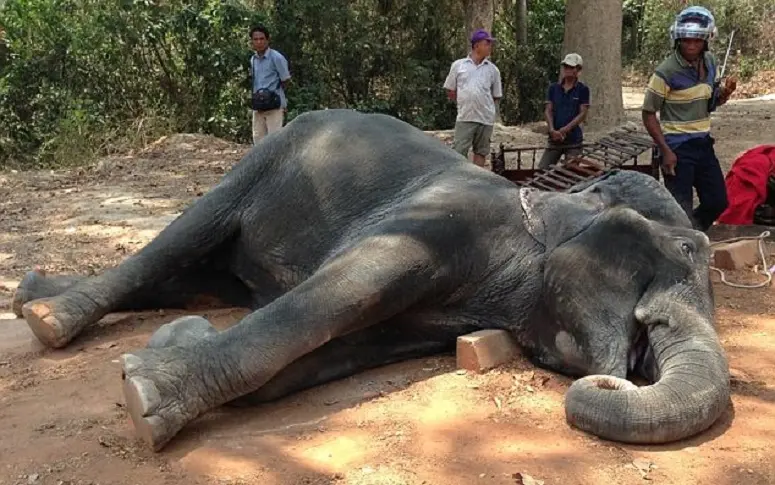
column 36, row 284
column 205, row 227
column 191, row 290
column 383, row 344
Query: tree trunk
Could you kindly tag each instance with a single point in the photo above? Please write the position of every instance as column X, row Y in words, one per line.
column 594, row 31
column 521, row 18
column 479, row 15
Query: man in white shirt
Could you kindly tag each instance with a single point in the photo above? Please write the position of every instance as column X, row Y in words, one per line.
column 474, row 83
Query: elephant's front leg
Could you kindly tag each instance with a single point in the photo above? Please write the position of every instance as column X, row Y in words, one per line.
column 165, row 388
column 394, row 340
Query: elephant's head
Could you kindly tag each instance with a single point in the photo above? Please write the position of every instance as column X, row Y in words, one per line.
column 627, row 282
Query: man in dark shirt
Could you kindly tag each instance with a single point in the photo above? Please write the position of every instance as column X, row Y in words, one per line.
column 567, row 102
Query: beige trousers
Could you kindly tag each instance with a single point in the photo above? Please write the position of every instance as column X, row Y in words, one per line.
column 265, row 122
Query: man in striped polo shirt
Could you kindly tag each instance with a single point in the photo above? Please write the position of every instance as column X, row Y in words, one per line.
column 682, row 91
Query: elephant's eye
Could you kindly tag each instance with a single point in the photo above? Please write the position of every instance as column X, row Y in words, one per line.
column 687, row 248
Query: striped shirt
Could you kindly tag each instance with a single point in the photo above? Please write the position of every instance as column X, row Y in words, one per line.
column 676, row 91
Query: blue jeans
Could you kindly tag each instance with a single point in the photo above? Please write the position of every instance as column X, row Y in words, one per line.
column 698, row 168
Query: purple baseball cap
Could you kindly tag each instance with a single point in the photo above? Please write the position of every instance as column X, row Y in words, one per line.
column 481, row 34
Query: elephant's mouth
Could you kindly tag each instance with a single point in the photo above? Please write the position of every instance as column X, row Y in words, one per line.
column 641, row 363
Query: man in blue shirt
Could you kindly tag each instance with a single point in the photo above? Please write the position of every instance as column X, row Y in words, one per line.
column 567, row 103
column 269, row 72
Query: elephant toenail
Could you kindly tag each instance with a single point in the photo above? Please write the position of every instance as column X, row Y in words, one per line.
column 130, row 362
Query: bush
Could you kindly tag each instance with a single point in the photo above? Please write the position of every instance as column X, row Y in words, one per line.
column 77, row 76
column 80, row 78
column 752, row 21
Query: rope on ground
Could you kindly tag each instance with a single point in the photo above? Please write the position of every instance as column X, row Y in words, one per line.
column 766, row 270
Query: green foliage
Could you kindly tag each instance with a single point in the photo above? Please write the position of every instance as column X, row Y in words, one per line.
column 527, row 70
column 81, row 78
column 84, row 72
column 388, row 56
column 646, row 34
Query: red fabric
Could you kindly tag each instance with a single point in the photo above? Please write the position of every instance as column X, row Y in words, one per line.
column 747, row 184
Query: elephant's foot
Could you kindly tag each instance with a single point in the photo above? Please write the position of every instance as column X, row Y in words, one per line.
column 51, row 322
column 29, row 289
column 186, row 332
column 36, row 285
column 160, row 393
column 183, row 332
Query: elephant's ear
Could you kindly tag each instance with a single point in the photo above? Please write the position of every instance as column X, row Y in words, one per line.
column 532, row 207
column 552, row 218
column 581, row 186
column 640, row 192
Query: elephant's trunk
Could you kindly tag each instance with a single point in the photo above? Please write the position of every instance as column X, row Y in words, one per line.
column 692, row 390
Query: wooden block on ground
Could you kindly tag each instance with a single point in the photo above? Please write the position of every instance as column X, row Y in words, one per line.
column 485, row 349
column 736, row 255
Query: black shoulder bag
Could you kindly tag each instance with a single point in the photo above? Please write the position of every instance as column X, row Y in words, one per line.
column 263, row 99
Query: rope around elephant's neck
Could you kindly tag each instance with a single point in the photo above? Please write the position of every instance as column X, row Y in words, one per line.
column 765, row 269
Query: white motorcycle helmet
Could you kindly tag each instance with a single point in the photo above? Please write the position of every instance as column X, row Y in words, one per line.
column 694, row 23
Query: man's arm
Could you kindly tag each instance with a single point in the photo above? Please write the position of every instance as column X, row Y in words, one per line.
column 582, row 116
column 724, row 92
column 450, row 84
column 575, row 121
column 554, row 135
column 549, row 115
column 656, row 92
column 249, row 77
column 651, row 123
column 497, row 87
column 730, row 84
column 281, row 64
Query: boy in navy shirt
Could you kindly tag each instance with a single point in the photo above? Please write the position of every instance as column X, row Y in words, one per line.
column 567, row 103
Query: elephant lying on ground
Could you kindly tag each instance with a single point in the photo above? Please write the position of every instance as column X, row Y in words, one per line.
column 358, row 240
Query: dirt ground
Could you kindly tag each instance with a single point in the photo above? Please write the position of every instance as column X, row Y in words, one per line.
column 62, row 419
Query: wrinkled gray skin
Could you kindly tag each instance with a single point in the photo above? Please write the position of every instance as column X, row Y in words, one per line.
column 358, row 241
